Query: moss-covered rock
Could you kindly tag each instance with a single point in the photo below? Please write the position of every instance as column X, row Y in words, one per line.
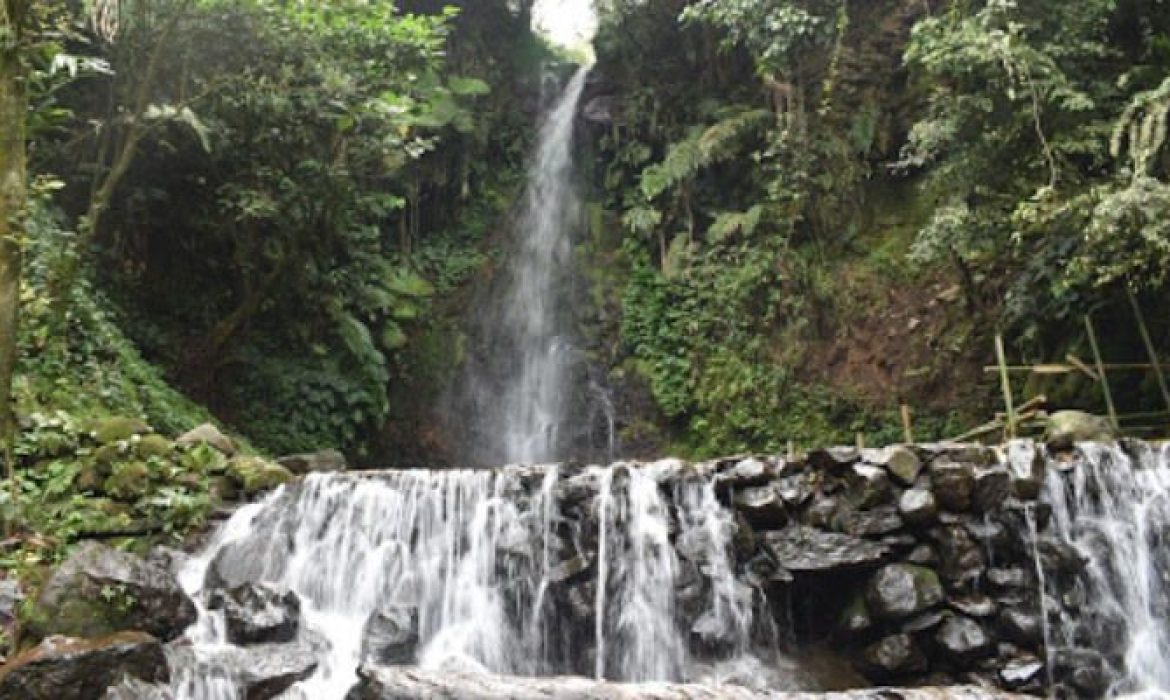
column 81, row 669
column 90, row 479
column 224, row 489
column 107, row 455
column 100, row 590
column 254, row 474
column 111, row 430
column 129, row 481
column 154, row 445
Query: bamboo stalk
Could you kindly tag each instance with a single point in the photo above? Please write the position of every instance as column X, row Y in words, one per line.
column 907, row 426
column 1101, row 370
column 1153, row 353
column 1006, row 383
column 1062, row 368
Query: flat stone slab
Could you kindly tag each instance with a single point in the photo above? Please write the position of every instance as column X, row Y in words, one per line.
column 407, row 683
column 806, row 549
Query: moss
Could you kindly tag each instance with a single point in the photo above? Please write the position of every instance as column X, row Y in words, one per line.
column 107, row 455
column 254, row 474
column 129, row 481
column 154, row 446
column 89, row 479
column 111, row 430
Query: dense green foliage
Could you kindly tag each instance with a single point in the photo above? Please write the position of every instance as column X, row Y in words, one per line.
column 753, row 164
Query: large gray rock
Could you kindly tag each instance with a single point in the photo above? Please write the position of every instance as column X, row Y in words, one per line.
column 805, row 549
column 961, row 559
column 61, row 668
column 953, row 483
column 899, row 591
column 100, row 590
column 869, row 486
column 257, row 614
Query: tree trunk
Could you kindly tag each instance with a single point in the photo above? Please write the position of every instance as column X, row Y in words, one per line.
column 13, row 194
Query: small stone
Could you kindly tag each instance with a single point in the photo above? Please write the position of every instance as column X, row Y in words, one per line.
column 762, row 507
column 1021, row 626
column 570, row 570
column 904, row 464
column 964, row 640
column 1011, row 579
column 974, row 606
column 314, row 462
column 1019, row 673
column 893, row 656
column 923, row 554
column 918, row 506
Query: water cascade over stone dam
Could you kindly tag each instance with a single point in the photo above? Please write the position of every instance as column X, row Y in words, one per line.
column 992, row 569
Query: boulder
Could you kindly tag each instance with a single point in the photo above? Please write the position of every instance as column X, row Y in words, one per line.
column 963, row 640
column 390, row 636
column 833, row 459
column 208, row 434
column 875, row 522
column 1066, row 428
column 313, row 462
column 898, row 591
column 62, row 668
column 762, row 507
column 801, row 549
column 918, row 506
column 100, row 590
column 794, row 490
column 128, row 481
column 892, row 657
column 745, row 473
column 257, row 614
column 953, row 484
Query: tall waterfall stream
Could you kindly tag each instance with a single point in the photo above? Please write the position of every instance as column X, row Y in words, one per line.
column 648, row 572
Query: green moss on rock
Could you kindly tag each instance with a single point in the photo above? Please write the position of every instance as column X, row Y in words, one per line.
column 129, row 481
column 154, row 446
column 111, row 430
column 254, row 474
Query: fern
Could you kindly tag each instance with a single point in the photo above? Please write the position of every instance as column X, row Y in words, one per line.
column 1142, row 128
column 727, row 224
column 701, row 150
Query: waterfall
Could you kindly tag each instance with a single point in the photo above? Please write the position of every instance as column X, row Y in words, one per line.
column 525, row 372
column 484, row 565
column 1112, row 508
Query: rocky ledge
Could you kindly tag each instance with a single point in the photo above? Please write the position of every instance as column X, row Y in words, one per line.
column 405, row 683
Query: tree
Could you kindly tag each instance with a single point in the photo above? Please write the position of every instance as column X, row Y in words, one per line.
column 13, row 106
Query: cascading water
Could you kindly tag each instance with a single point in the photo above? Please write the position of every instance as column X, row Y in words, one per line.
column 520, row 571
column 1113, row 509
column 525, row 372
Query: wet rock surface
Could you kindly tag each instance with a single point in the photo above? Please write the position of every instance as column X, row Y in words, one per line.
column 62, row 668
column 256, row 613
